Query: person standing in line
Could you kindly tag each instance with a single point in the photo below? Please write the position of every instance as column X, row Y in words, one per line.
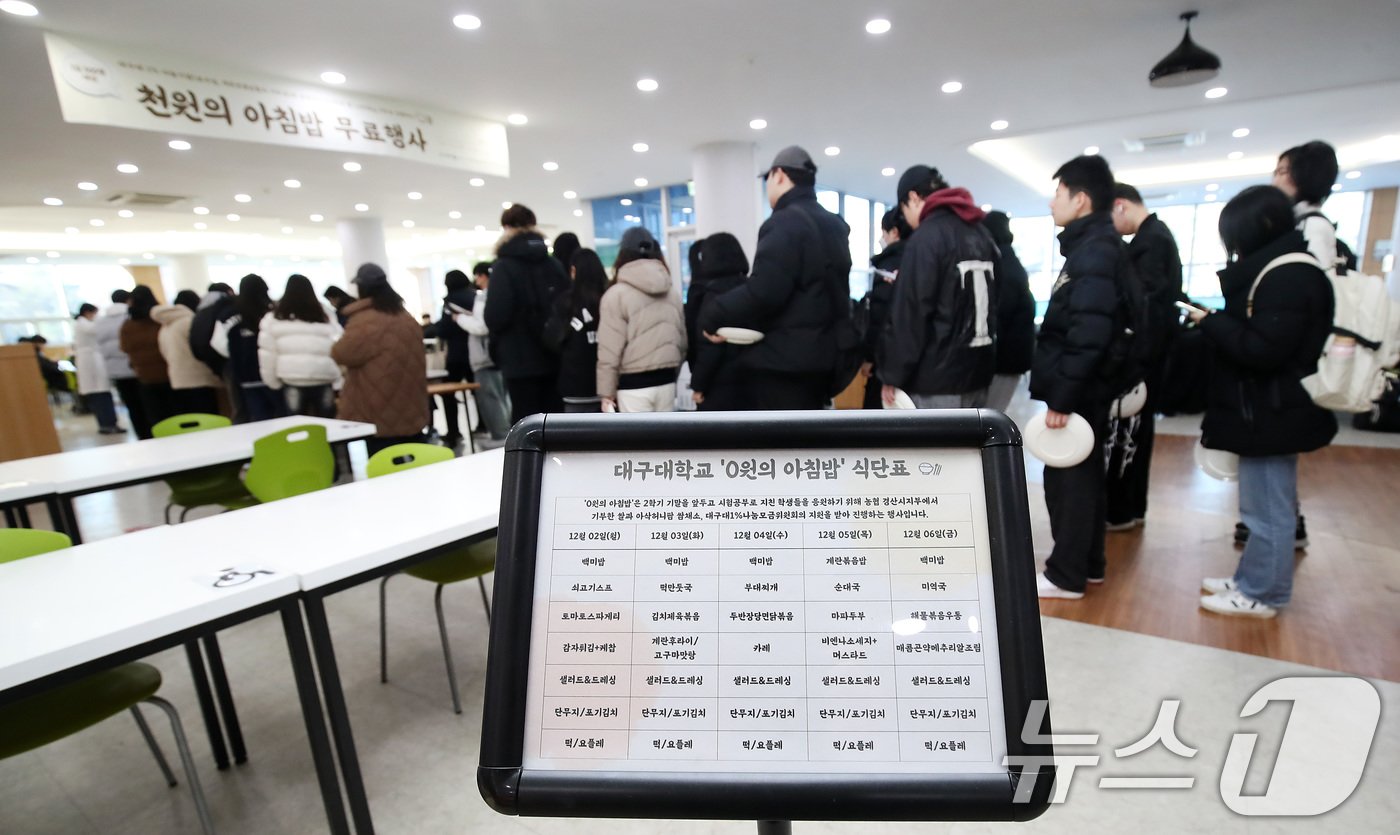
column 566, row 245
column 217, row 305
column 193, row 386
column 140, row 341
column 382, row 351
column 524, row 280
column 492, row 401
column 109, row 326
column 337, row 299
column 884, row 266
column 237, row 339
column 939, row 346
column 1157, row 260
column 641, row 330
column 1015, row 316
column 797, row 295
column 1277, row 317
column 573, row 326
column 717, row 371
column 294, row 351
column 461, row 295
column 93, row 384
column 1074, row 339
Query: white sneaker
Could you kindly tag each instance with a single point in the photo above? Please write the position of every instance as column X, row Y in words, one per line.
column 1047, row 589
column 1234, row 603
column 1218, row 585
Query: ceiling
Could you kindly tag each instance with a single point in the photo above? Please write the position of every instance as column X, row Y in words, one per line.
column 1064, row 75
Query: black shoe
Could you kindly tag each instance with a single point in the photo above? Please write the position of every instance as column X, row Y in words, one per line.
column 1300, row 535
column 1241, row 533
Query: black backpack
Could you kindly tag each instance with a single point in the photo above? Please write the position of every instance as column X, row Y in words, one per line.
column 1138, row 335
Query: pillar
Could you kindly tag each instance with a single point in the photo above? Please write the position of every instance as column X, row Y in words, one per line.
column 727, row 193
column 149, row 275
column 189, row 272
column 362, row 241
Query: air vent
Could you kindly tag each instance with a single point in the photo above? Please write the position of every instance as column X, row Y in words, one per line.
column 1166, row 141
column 139, row 198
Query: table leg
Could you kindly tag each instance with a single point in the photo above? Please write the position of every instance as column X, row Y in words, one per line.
column 68, row 518
column 336, row 710
column 11, row 520
column 321, row 754
column 23, row 513
column 343, row 469
column 225, row 695
column 206, row 703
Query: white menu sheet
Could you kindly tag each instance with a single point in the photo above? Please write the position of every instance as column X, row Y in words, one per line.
column 764, row 611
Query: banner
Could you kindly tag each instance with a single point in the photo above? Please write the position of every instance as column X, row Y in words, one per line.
column 130, row 88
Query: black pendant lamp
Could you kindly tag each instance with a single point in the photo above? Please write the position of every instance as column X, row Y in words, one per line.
column 1187, row 64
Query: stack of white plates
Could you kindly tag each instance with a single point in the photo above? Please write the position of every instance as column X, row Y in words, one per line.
column 740, row 336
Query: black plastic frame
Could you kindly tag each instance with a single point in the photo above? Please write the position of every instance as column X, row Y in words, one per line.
column 509, row 789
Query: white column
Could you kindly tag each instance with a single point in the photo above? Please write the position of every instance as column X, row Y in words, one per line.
column 727, row 191
column 188, row 272
column 361, row 241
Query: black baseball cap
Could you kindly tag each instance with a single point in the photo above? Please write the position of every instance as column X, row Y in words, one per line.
column 793, row 156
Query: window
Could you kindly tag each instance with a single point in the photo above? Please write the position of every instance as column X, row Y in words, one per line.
column 42, row 298
column 857, row 215
column 614, row 215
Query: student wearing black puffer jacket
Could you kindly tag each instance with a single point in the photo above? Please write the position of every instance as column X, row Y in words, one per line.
column 1278, row 313
column 460, row 298
column 717, row 373
column 1015, row 316
column 524, row 283
column 1073, row 341
column 894, row 231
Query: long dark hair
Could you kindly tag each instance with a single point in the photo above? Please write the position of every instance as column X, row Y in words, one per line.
column 1253, row 219
column 253, row 301
column 590, row 282
column 188, row 298
column 565, row 246
column 299, row 301
column 139, row 306
column 384, row 298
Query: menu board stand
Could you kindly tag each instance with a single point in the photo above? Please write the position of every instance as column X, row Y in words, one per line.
column 771, row 616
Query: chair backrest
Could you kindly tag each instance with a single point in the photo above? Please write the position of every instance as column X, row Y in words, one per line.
column 400, row 457
column 291, row 462
column 192, row 422
column 18, row 543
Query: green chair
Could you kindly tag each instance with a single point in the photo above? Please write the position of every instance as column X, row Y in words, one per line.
column 36, row 721
column 291, row 462
column 221, row 484
column 455, row 566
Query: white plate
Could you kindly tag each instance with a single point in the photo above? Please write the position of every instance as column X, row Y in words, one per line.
column 1218, row 464
column 1059, row 447
column 1130, row 403
column 901, row 401
column 740, row 336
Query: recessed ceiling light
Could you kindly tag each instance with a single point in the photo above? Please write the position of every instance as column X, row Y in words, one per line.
column 292, row 183
column 1336, row 186
column 201, row 226
column 454, row 215
column 476, row 182
column 479, row 228
column 233, row 217
column 124, row 261
column 72, row 230
column 352, row 166
column 1091, row 150
column 361, row 207
column 641, row 147
column 470, row 22
column 506, row 204
column 952, row 86
column 878, row 26
column 201, row 210
column 1212, row 197
column 31, row 260
column 415, row 195
column 1235, row 155
column 986, row 207
column 578, row 212
column 1216, row 92
column 127, row 168
column 758, row 124
column 317, row 218
column 53, row 254
column 52, row 201
column 647, row 85
column 1352, row 175
column 86, row 186
column 408, row 224
column 640, row 182
column 287, row 230
column 570, row 195
column 149, row 256
column 97, row 222
column 1000, row 124
column 242, row 198
column 333, row 77
column 518, row 119
column 178, row 145
column 1212, row 187
column 18, row 7
column 626, row 201
column 687, row 211
column 126, row 213
column 1240, row 133
column 832, row 150
column 551, row 166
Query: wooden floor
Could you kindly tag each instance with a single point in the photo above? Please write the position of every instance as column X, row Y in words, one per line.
column 1345, row 613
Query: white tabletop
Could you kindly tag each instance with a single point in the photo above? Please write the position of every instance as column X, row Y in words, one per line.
column 15, row 490
column 69, row 607
column 97, row 467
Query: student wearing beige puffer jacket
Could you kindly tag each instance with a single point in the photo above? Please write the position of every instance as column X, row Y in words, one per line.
column 641, row 330
column 193, row 385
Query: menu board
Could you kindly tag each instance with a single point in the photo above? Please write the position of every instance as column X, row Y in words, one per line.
column 764, row 610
